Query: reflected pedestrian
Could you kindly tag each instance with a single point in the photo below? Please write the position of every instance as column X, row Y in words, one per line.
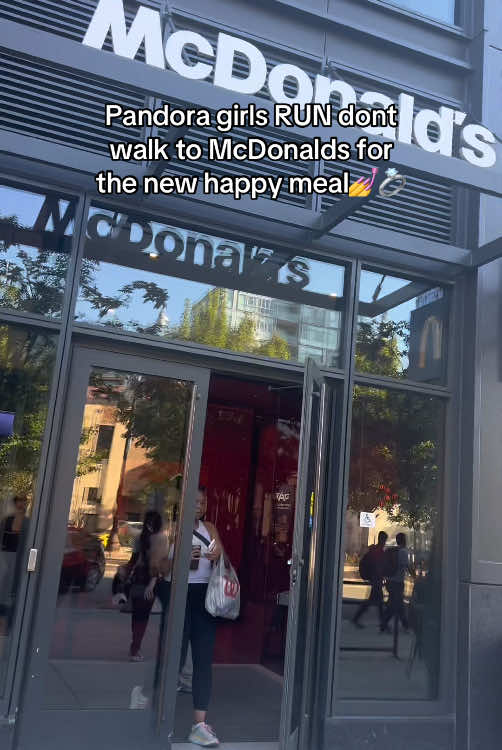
column 372, row 570
column 396, row 574
column 13, row 530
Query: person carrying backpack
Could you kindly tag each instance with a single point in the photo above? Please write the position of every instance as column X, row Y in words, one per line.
column 395, row 569
column 371, row 568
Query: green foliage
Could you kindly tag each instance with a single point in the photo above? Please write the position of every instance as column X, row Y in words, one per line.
column 378, row 347
column 395, row 450
column 208, row 323
column 26, row 359
column 395, row 455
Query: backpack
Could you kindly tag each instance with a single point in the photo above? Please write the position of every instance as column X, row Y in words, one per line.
column 367, row 566
column 391, row 562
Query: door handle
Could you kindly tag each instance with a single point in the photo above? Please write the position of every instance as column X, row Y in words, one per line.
column 296, row 563
column 32, row 560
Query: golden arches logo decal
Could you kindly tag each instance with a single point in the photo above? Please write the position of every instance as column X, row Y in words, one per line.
column 432, row 328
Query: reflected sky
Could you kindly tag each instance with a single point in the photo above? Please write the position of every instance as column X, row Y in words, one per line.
column 442, row 10
column 324, row 278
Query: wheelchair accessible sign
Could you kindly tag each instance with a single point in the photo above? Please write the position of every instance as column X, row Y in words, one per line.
column 367, row 520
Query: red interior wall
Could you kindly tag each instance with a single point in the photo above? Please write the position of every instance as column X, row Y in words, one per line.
column 255, row 522
column 225, row 471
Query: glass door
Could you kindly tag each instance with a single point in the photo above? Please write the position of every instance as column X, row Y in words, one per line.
column 108, row 633
column 300, row 646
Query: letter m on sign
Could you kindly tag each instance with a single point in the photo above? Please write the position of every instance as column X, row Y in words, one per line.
column 109, row 16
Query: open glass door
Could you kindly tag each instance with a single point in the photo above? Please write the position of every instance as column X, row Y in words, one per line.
column 104, row 662
column 300, row 647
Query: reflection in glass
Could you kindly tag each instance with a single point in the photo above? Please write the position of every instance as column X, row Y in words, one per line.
column 35, row 244
column 124, row 505
column 395, row 487
column 402, row 328
column 442, row 10
column 181, row 284
column 26, row 364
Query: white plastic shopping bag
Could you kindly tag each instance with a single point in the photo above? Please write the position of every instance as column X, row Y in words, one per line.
column 223, row 598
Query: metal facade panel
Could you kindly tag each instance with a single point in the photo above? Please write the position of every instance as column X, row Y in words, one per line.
column 68, row 18
column 427, row 210
column 48, row 102
column 405, row 27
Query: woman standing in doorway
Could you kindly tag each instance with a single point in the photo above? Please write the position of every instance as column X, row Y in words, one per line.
column 199, row 627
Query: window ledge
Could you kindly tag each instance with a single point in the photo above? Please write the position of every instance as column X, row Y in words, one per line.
column 392, row 7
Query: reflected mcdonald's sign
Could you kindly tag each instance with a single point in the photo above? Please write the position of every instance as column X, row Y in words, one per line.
column 432, row 333
column 428, row 332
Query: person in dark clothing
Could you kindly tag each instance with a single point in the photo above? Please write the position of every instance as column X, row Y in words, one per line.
column 375, row 558
column 395, row 586
column 13, row 531
column 132, row 579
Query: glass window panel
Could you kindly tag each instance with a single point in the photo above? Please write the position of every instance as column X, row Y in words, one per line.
column 402, row 328
column 392, row 601
column 151, row 278
column 441, row 10
column 121, row 532
column 26, row 366
column 35, row 242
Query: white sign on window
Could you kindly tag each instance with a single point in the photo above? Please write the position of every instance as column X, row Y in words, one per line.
column 367, row 520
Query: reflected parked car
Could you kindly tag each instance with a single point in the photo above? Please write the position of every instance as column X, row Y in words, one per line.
column 83, row 562
column 130, row 528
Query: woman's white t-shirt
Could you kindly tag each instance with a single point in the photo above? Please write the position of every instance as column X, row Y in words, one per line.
column 160, row 548
column 203, row 572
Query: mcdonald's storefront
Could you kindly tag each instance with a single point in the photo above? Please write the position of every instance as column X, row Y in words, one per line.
column 299, row 378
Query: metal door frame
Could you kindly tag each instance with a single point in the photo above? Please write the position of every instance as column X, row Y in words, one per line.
column 299, row 739
column 29, row 723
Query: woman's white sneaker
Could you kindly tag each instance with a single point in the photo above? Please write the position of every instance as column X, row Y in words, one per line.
column 202, row 734
column 138, row 699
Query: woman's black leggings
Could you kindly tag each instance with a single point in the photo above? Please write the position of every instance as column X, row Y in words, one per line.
column 200, row 631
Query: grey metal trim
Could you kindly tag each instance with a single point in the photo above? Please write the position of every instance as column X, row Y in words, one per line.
column 28, row 319
column 309, row 443
column 272, row 223
column 310, row 721
column 333, row 20
column 176, row 616
column 182, row 349
column 450, row 512
column 170, row 86
column 383, row 381
column 451, row 30
column 454, row 29
column 338, row 515
column 346, row 206
column 47, row 458
column 487, row 253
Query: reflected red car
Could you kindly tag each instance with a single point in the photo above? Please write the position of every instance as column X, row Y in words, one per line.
column 83, row 562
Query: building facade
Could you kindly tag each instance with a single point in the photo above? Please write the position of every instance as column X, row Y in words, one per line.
column 325, row 372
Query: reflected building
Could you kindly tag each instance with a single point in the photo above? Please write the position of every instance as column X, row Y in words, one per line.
column 308, row 331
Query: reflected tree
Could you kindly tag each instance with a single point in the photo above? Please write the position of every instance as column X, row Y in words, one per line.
column 208, row 323
column 26, row 361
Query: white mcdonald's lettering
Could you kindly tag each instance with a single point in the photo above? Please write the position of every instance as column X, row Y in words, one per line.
column 432, row 327
column 109, row 17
